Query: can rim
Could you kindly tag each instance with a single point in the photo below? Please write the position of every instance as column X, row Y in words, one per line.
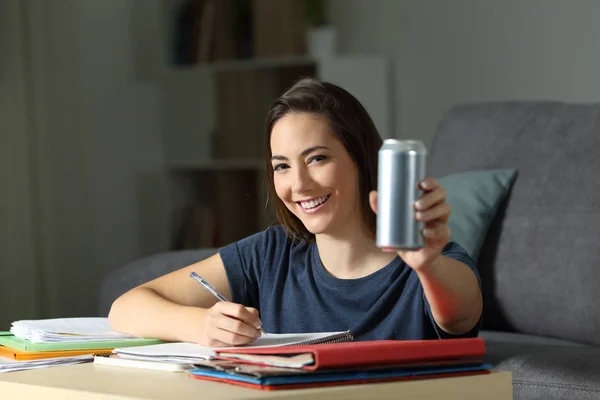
column 404, row 144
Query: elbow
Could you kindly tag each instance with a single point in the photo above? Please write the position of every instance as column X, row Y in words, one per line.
column 127, row 313
column 467, row 321
column 123, row 312
column 113, row 315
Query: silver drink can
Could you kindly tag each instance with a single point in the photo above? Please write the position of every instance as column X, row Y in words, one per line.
column 401, row 166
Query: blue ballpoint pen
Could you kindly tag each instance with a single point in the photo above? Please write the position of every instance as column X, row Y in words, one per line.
column 211, row 289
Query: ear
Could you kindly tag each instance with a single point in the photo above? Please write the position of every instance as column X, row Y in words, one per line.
column 373, row 200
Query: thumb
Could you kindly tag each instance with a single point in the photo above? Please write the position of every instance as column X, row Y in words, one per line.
column 252, row 311
column 373, row 200
column 256, row 320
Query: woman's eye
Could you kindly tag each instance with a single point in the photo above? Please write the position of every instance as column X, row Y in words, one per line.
column 279, row 167
column 317, row 158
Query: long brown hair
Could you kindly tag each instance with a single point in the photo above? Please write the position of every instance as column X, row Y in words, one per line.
column 349, row 121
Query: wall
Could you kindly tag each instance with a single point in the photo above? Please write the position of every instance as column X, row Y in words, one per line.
column 121, row 146
column 472, row 50
column 18, row 244
column 121, row 120
column 80, row 154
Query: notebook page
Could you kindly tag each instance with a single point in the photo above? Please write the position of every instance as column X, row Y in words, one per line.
column 192, row 350
column 165, row 350
column 287, row 339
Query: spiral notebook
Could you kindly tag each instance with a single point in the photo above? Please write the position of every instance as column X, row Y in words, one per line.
column 300, row 339
column 188, row 352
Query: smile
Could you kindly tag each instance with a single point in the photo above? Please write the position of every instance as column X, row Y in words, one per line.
column 314, row 204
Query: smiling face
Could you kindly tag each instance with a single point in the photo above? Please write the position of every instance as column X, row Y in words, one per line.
column 313, row 173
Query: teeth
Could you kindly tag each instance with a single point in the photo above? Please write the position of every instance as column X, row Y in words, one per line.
column 313, row 203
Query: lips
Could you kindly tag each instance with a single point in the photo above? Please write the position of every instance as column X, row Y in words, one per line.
column 314, row 203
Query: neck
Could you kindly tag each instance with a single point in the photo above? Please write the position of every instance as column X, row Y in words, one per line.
column 351, row 253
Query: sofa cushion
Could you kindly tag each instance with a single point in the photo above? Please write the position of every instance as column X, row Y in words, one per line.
column 144, row 270
column 474, row 197
column 539, row 262
column 548, row 372
column 522, row 338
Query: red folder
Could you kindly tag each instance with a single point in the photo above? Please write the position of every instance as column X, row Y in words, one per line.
column 370, row 353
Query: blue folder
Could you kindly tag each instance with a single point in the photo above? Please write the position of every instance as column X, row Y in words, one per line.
column 335, row 376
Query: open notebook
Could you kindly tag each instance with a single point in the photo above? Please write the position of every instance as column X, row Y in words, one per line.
column 188, row 352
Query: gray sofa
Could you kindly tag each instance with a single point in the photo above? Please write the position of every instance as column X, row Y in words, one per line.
column 540, row 261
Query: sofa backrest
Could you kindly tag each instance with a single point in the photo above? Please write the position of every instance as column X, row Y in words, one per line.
column 540, row 262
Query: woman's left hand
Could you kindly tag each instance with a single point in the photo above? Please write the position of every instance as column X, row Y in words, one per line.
column 433, row 211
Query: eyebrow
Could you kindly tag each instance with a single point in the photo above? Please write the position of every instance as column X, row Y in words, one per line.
column 303, row 154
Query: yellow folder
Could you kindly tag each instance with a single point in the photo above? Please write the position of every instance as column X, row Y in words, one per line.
column 18, row 355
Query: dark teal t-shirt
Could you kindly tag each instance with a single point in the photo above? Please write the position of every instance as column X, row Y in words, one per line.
column 293, row 292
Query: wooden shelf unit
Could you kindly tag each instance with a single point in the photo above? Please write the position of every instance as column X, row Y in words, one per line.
column 213, row 132
column 213, row 121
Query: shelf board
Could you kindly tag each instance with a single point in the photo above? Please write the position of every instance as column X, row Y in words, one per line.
column 215, row 165
column 255, row 63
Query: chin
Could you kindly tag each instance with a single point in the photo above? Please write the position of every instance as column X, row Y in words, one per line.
column 315, row 230
column 317, row 227
column 317, row 224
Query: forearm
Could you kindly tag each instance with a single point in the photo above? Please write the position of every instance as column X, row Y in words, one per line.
column 144, row 312
column 453, row 293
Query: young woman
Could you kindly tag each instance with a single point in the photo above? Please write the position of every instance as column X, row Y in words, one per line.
column 319, row 269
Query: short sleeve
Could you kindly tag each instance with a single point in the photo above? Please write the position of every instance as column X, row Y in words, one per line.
column 453, row 250
column 243, row 261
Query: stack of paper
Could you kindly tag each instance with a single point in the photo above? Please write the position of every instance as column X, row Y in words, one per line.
column 7, row 365
column 61, row 341
column 66, row 330
column 177, row 352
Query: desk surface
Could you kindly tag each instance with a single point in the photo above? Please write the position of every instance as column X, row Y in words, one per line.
column 103, row 382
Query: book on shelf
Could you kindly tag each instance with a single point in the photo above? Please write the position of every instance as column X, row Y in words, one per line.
column 197, row 228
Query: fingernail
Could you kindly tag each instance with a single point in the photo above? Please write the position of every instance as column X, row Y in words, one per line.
column 257, row 324
column 424, row 185
column 427, row 232
column 419, row 204
column 418, row 215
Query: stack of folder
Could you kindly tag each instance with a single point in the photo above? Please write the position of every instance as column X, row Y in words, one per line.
column 63, row 341
column 274, row 368
column 284, row 361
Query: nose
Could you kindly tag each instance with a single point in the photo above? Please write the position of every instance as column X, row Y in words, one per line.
column 301, row 180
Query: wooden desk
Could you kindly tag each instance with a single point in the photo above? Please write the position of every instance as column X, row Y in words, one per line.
column 100, row 382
